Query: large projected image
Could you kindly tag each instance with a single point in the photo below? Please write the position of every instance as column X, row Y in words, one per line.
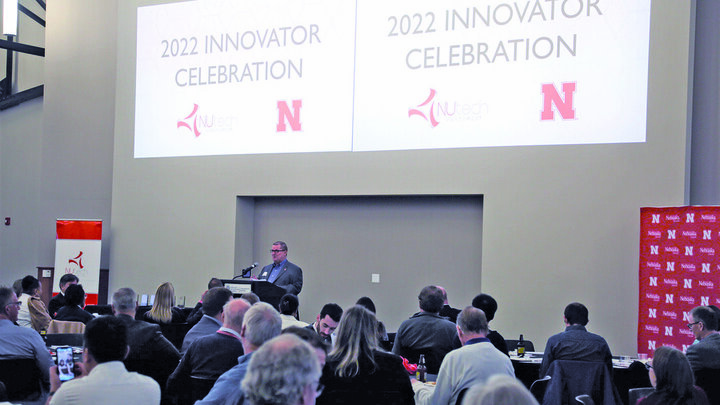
column 224, row 77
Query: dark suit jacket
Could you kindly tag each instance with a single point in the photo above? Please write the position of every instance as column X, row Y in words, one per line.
column 150, row 352
column 705, row 353
column 290, row 277
column 55, row 304
column 74, row 313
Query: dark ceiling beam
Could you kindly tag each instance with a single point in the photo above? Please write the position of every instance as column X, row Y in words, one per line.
column 22, row 48
column 32, row 15
column 20, row 97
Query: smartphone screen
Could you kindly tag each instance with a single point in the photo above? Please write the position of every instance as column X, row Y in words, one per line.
column 65, row 363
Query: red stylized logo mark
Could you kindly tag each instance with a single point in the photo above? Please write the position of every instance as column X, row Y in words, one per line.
column 194, row 123
column 77, row 260
column 430, row 113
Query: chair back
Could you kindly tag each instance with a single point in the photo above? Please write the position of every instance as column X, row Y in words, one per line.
column 175, row 332
column 65, row 327
column 199, row 388
column 634, row 394
column 512, row 345
column 585, row 399
column 709, row 380
column 64, row 339
column 99, row 309
column 538, row 387
column 22, row 379
column 574, row 378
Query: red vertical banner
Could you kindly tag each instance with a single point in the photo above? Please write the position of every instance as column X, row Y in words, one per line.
column 77, row 251
column 679, row 270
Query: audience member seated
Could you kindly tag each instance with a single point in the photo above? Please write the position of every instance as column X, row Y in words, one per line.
column 20, row 343
column 33, row 313
column 368, row 304
column 73, row 310
column 150, row 353
column 426, row 332
column 103, row 378
column 489, row 306
column 289, row 304
column 58, row 301
column 672, row 377
column 321, row 349
column 576, row 343
column 474, row 363
column 211, row 320
column 356, row 371
column 164, row 309
column 499, row 390
column 210, row 356
column 260, row 324
column 706, row 352
column 250, row 297
column 447, row 311
column 17, row 287
column 196, row 313
column 284, row 370
column 326, row 322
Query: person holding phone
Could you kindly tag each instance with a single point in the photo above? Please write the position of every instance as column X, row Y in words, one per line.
column 65, row 363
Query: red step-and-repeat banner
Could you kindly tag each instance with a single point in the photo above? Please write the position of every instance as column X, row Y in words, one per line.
column 679, row 270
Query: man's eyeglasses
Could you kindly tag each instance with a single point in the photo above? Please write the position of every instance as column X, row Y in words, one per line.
column 276, row 251
column 648, row 366
column 690, row 325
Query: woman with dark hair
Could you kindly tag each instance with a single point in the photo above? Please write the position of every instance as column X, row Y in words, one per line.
column 671, row 376
column 32, row 313
column 164, row 309
column 288, row 307
column 73, row 309
column 368, row 303
column 357, row 372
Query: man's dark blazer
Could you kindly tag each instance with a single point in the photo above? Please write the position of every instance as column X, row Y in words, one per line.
column 290, row 277
column 74, row 313
column 705, row 353
column 55, row 304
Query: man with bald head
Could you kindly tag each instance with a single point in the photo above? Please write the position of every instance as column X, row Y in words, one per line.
column 210, row 356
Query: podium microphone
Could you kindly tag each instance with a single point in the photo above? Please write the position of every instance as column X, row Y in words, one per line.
column 246, row 270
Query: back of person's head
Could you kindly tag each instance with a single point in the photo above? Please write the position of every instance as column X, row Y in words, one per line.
column 487, row 304
column 431, row 299
column 334, row 311
column 162, row 306
column 234, row 312
column 17, row 287
column 717, row 313
column 215, row 282
column 707, row 316
column 472, row 320
column 576, row 314
column 68, row 278
column 355, row 340
column 443, row 292
column 289, row 303
column 124, row 299
column 281, row 371
column 250, row 297
column 499, row 389
column 6, row 298
column 367, row 303
column 105, row 339
column 215, row 299
column 673, row 373
column 262, row 322
column 74, row 295
column 307, row 335
column 30, row 284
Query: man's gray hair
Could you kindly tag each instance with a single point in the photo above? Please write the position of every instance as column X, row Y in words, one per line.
column 5, row 297
column 124, row 299
column 280, row 370
column 262, row 322
column 472, row 320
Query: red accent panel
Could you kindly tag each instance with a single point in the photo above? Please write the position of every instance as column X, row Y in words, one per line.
column 92, row 299
column 74, row 229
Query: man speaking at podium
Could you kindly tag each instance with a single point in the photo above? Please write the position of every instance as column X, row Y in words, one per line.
column 281, row 272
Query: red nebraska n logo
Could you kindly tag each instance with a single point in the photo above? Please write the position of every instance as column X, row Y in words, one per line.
column 284, row 114
column 564, row 107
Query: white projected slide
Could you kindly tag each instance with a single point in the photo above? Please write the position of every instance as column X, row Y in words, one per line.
column 226, row 77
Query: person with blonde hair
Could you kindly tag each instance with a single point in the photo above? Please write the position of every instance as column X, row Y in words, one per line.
column 163, row 309
column 500, row 389
column 356, row 371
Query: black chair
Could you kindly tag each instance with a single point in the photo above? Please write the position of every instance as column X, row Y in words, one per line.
column 200, row 387
column 512, row 345
column 99, row 309
column 585, row 400
column 64, row 339
column 22, row 379
column 709, row 380
column 571, row 378
column 3, row 392
column 634, row 394
column 175, row 332
column 538, row 387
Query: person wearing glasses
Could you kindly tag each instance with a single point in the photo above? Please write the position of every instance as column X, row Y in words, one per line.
column 706, row 352
column 17, row 342
column 285, row 370
column 671, row 376
column 281, row 272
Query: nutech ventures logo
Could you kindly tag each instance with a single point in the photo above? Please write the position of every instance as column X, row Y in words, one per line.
column 436, row 111
column 195, row 122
